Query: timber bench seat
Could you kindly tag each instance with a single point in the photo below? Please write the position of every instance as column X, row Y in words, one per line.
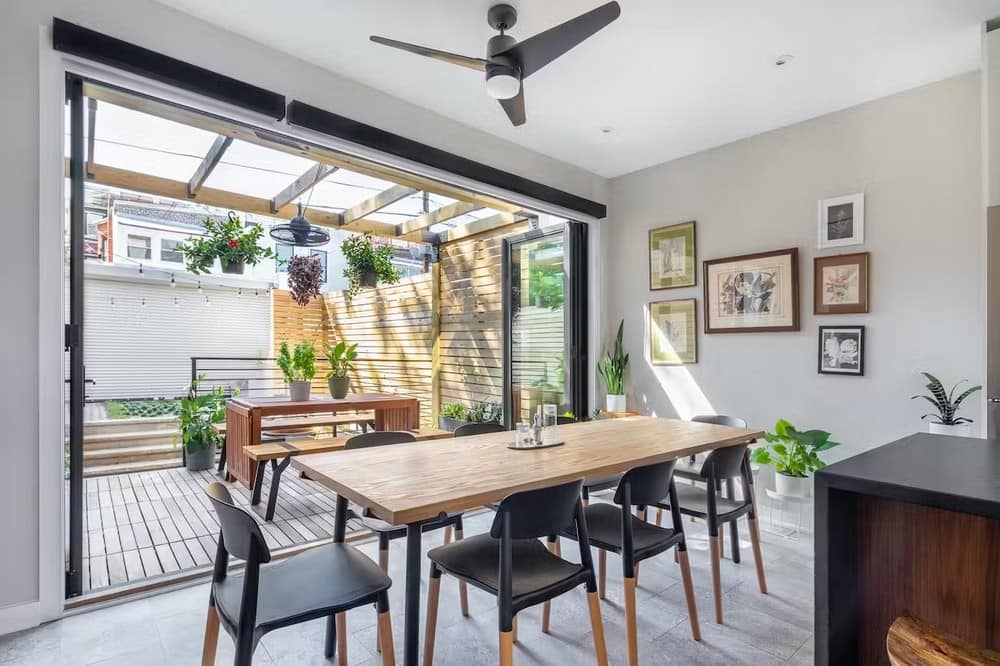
column 294, row 423
column 281, row 453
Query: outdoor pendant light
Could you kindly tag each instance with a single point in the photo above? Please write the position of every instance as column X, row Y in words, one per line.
column 299, row 232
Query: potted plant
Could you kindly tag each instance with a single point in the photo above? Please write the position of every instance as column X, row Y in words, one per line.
column 305, row 277
column 367, row 265
column 298, row 368
column 229, row 241
column 794, row 454
column 195, row 420
column 341, row 358
column 945, row 422
column 613, row 372
column 455, row 414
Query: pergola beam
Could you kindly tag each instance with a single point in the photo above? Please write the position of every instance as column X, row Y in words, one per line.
column 450, row 211
column 377, row 202
column 481, row 225
column 301, row 185
column 208, row 164
column 91, row 135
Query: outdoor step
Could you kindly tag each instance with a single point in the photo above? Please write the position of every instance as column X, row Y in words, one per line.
column 127, row 468
column 133, row 453
column 128, row 439
column 156, row 423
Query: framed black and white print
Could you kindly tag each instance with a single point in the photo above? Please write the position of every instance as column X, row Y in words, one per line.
column 842, row 221
column 842, row 350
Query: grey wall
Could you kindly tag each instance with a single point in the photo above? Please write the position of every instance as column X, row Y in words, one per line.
column 916, row 155
column 157, row 27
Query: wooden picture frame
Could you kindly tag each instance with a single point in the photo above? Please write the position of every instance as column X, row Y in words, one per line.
column 841, row 221
column 841, row 284
column 668, row 247
column 753, row 293
column 841, row 351
column 672, row 332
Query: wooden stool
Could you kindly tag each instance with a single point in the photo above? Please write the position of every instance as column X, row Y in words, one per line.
column 913, row 642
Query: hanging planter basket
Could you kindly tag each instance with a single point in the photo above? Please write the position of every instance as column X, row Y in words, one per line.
column 367, row 264
column 305, row 277
column 368, row 279
column 233, row 267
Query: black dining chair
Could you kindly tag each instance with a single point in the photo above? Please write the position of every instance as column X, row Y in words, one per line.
column 326, row 581
column 616, row 529
column 386, row 531
column 512, row 564
column 470, row 429
column 706, row 503
column 690, row 469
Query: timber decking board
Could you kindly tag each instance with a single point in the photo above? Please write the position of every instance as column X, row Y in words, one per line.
column 145, row 524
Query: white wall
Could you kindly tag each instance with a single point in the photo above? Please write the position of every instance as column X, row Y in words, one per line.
column 916, row 155
column 21, row 116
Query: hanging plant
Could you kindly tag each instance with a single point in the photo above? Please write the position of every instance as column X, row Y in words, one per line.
column 367, row 264
column 229, row 241
column 305, row 277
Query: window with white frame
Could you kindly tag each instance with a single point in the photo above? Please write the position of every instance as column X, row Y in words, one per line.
column 139, row 247
column 284, row 256
column 169, row 251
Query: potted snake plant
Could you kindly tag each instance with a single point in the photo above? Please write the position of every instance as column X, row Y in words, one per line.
column 946, row 421
column 298, row 368
column 341, row 357
column 613, row 372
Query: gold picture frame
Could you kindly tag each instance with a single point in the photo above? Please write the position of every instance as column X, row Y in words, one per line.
column 672, row 257
column 672, row 332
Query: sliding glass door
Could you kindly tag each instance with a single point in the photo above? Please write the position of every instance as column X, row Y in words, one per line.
column 545, row 321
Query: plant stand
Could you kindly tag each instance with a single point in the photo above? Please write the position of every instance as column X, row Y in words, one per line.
column 784, row 530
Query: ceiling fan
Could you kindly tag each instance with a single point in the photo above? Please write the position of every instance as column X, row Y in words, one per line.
column 508, row 62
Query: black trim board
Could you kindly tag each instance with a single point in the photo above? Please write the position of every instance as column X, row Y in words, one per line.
column 85, row 43
column 310, row 117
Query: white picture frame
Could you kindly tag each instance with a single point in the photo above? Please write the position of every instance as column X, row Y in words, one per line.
column 848, row 225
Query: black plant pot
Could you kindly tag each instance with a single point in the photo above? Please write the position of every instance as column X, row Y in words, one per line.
column 200, row 460
column 232, row 267
column 339, row 386
column 450, row 424
column 368, row 279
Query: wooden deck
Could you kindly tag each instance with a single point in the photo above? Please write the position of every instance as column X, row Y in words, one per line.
column 146, row 524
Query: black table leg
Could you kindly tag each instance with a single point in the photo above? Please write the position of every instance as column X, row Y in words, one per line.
column 272, row 495
column 411, row 630
column 222, row 458
column 258, row 482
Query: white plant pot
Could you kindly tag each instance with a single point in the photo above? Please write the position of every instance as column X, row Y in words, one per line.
column 961, row 430
column 791, row 486
column 615, row 403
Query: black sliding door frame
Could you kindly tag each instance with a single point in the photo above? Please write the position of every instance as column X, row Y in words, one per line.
column 575, row 322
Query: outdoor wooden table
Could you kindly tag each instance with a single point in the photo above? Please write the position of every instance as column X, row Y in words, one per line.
column 243, row 421
column 413, row 483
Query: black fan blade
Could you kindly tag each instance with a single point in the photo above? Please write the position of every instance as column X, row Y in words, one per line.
column 514, row 107
column 536, row 52
column 455, row 59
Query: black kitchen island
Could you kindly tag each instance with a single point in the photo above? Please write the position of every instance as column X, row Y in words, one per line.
column 912, row 527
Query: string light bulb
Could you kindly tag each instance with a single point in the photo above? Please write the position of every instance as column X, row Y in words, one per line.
column 177, row 302
column 199, row 287
column 140, row 270
column 143, row 302
column 112, row 301
column 173, row 282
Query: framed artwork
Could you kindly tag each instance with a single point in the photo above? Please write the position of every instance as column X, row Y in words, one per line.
column 672, row 332
column 753, row 293
column 842, row 221
column 840, row 284
column 672, row 257
column 842, row 350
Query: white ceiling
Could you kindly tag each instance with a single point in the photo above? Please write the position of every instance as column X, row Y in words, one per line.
column 670, row 77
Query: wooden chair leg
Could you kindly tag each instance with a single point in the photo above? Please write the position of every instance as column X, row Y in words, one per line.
column 630, row 623
column 447, row 535
column 506, row 648
column 722, row 541
column 385, row 633
column 342, row 639
column 383, row 562
column 689, row 593
column 597, row 629
column 714, row 547
column 659, row 517
column 433, row 592
column 211, row 637
column 602, row 573
column 463, row 589
column 513, row 629
column 547, row 606
column 758, row 560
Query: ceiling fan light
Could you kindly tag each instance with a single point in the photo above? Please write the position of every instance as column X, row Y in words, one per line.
column 503, row 86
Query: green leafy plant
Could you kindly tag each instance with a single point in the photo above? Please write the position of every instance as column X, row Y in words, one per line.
column 945, row 401
column 229, row 240
column 615, row 362
column 546, row 286
column 198, row 413
column 793, row 452
column 365, row 261
column 341, row 358
column 455, row 410
column 297, row 366
column 131, row 409
column 486, row 412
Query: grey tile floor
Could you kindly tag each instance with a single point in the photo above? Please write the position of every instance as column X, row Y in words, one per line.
column 772, row 629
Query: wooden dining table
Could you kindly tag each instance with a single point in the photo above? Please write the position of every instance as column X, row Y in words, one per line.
column 412, row 483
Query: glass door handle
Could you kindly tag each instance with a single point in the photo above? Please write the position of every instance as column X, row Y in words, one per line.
column 993, row 400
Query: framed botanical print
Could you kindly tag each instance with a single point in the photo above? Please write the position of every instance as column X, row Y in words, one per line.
column 672, row 257
column 842, row 221
column 753, row 293
column 672, row 332
column 842, row 350
column 840, row 284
